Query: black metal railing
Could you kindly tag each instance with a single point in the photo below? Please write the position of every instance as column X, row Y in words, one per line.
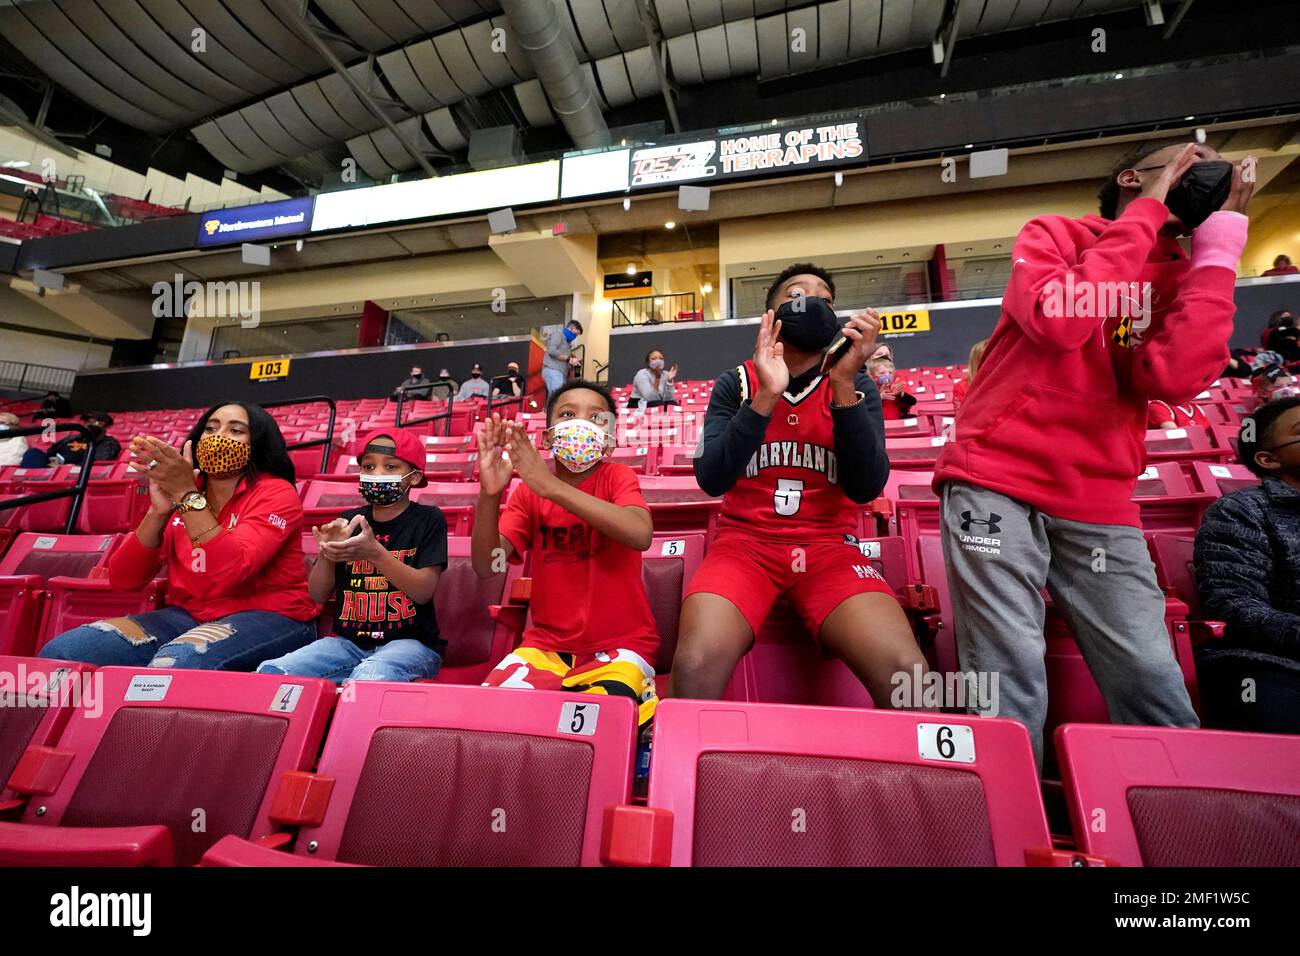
column 30, row 377
column 441, row 416
column 77, row 492
column 653, row 309
column 327, row 441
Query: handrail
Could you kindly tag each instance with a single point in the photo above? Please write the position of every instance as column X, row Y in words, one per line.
column 401, row 403
column 77, row 492
column 327, row 441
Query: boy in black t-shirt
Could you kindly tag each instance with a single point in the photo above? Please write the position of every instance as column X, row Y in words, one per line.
column 382, row 563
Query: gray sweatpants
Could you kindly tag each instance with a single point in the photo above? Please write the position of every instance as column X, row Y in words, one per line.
column 1001, row 552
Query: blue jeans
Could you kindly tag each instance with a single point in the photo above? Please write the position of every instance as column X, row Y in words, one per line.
column 171, row 637
column 339, row 660
column 553, row 378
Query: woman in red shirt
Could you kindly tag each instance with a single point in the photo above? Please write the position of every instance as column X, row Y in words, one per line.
column 229, row 536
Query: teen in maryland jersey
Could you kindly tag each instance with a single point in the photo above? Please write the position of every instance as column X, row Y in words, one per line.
column 794, row 447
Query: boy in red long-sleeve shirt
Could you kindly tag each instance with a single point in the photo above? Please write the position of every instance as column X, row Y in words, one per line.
column 1101, row 315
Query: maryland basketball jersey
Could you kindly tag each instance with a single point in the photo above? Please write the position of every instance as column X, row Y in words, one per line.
column 790, row 488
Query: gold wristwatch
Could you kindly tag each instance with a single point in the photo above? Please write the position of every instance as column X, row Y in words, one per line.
column 194, row 501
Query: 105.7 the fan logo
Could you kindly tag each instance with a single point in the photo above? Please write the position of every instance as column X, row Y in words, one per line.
column 670, row 164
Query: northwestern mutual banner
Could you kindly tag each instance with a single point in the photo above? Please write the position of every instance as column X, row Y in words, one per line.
column 271, row 220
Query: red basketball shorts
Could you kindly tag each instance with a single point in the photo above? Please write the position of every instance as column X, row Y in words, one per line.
column 816, row 577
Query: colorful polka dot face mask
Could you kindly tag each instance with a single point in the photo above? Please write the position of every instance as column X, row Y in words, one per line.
column 578, row 444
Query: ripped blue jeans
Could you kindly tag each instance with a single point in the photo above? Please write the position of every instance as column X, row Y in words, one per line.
column 171, row 637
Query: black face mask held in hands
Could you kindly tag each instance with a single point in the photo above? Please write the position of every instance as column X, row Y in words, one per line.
column 1203, row 189
column 808, row 323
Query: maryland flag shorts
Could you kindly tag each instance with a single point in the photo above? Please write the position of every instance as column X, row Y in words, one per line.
column 615, row 673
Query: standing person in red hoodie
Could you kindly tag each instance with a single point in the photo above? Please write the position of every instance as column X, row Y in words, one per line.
column 230, row 537
column 1101, row 315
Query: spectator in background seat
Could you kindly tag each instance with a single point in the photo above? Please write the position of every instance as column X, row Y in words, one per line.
column 1247, row 561
column 475, row 386
column 1171, row 415
column 963, row 384
column 1272, row 382
column 54, row 406
column 229, row 536
column 1280, row 317
column 652, row 385
column 382, row 564
column 895, row 401
column 11, row 449
column 72, row 450
column 415, row 378
column 509, row 384
column 1281, row 267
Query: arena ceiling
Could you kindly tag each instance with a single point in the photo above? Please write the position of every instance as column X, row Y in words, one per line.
column 288, row 90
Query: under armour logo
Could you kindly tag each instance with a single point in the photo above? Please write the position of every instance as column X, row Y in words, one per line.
column 991, row 524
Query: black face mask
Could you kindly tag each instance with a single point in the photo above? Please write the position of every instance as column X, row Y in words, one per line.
column 808, row 323
column 1203, row 189
column 475, row 374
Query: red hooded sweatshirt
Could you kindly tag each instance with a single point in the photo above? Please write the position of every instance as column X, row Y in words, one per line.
column 1057, row 415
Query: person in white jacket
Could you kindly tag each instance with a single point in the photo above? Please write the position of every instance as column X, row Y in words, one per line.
column 11, row 449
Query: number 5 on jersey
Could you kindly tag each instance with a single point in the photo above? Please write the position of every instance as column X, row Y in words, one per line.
column 788, row 496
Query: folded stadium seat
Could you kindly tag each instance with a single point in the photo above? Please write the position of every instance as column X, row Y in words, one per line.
column 1168, row 500
column 113, row 504
column 742, row 784
column 914, row 453
column 125, row 786
column 459, row 466
column 428, row 775
column 666, row 570
column 30, row 560
column 36, row 699
column 1172, row 555
column 676, row 460
column 480, row 618
column 640, row 460
column 1158, row 796
column 323, row 501
column 449, row 444
column 1224, row 438
column 785, row 664
column 1222, row 479
column 457, row 499
column 907, row 507
column 1189, row 443
column 44, row 515
column 677, row 503
column 73, row 601
column 907, row 428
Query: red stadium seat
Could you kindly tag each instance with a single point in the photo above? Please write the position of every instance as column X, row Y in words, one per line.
column 1173, row 558
column 1222, row 479
column 457, row 500
column 30, row 560
column 36, row 699
column 1168, row 501
column 666, row 570
column 678, row 460
column 677, row 503
column 1183, row 444
column 785, row 664
column 424, row 775
column 913, row 453
column 1156, row 796
column 122, row 785
column 481, row 618
column 772, row 785
column 71, row 602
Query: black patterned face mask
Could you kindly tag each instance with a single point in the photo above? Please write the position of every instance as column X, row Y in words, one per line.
column 382, row 489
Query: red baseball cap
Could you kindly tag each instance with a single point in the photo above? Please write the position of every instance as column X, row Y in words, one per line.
column 407, row 446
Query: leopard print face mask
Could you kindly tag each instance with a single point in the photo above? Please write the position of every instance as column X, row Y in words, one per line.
column 220, row 456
